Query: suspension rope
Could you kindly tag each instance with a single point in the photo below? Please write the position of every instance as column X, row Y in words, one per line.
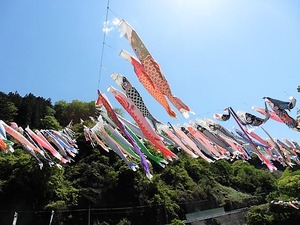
column 103, row 44
column 113, row 13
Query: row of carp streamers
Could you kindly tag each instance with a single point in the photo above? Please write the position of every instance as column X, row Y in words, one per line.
column 200, row 138
column 294, row 203
column 40, row 143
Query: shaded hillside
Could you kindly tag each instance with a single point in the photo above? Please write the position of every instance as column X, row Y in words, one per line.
column 100, row 188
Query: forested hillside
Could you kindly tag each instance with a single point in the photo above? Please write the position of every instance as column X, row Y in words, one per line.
column 97, row 187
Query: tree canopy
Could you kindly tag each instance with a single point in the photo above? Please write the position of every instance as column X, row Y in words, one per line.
column 100, row 180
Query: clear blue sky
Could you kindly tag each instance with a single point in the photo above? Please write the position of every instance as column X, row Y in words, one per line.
column 214, row 53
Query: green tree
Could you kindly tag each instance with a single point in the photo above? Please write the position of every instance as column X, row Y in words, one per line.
column 59, row 191
column 259, row 215
column 288, row 185
column 249, row 179
column 8, row 110
column 60, row 112
column 75, row 111
column 31, row 109
column 223, row 172
column 177, row 222
column 50, row 122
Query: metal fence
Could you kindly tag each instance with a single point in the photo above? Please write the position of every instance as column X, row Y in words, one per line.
column 157, row 214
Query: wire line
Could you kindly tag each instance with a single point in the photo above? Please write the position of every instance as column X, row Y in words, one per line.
column 103, row 43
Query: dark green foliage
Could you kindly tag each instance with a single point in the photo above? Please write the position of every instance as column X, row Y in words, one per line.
column 75, row 111
column 258, row 215
column 49, row 122
column 8, row 110
column 251, row 180
column 23, row 179
column 61, row 112
column 287, row 186
column 27, row 110
column 177, row 222
column 223, row 172
column 270, row 214
column 115, row 194
column 33, row 110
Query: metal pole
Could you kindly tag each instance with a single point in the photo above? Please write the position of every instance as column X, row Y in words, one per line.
column 15, row 218
column 89, row 215
column 51, row 217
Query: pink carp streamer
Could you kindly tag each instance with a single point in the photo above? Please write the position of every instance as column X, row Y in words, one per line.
column 102, row 100
column 145, row 127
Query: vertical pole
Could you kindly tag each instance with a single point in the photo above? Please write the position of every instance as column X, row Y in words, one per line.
column 51, row 217
column 89, row 215
column 166, row 214
column 15, row 219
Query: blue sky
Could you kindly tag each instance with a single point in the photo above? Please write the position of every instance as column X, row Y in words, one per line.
column 214, row 53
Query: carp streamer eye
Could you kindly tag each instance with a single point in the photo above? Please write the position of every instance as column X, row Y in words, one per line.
column 137, row 51
column 125, row 85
